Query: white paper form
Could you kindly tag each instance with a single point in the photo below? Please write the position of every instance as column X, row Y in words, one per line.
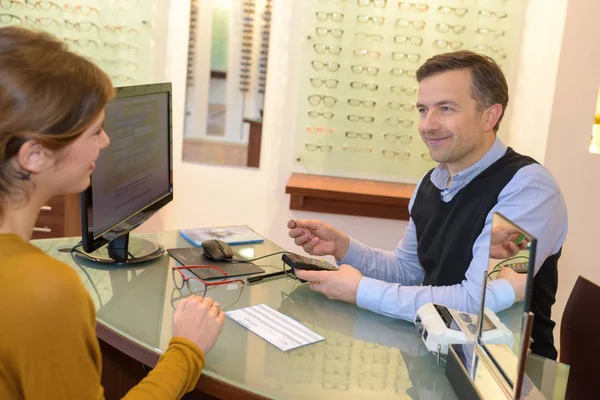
column 275, row 327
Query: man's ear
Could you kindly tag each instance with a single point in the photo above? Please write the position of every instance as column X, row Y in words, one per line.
column 33, row 157
column 492, row 115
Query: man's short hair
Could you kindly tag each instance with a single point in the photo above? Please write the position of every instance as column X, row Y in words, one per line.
column 488, row 86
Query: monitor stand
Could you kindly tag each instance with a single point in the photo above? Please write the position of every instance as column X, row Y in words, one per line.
column 125, row 251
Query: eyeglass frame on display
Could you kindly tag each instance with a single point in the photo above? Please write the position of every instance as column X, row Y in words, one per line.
column 401, row 106
column 324, row 82
column 409, row 40
column 327, row 64
column 397, row 138
column 357, row 135
column 369, row 119
column 322, row 99
column 364, row 86
column 364, row 68
column 411, row 22
column 364, row 103
column 419, row 7
column 395, row 154
column 410, row 57
column 322, row 148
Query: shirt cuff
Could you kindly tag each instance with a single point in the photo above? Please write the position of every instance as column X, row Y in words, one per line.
column 354, row 253
column 369, row 294
column 503, row 292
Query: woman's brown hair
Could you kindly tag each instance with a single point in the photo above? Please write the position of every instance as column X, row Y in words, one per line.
column 47, row 94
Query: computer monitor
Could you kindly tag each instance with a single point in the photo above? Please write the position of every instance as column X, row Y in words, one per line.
column 133, row 178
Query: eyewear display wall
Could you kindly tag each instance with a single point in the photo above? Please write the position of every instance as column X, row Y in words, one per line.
column 118, row 36
column 357, row 115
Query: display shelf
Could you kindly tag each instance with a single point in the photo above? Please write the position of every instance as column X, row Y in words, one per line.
column 359, row 197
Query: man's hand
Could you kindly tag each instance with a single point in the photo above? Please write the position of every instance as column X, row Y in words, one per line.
column 502, row 242
column 336, row 285
column 516, row 280
column 326, row 240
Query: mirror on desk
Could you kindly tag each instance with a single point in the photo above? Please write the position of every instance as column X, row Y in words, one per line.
column 512, row 255
column 226, row 78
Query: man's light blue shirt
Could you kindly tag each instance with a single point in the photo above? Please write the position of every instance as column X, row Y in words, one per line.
column 391, row 283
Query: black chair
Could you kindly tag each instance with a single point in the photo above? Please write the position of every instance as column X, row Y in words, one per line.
column 579, row 341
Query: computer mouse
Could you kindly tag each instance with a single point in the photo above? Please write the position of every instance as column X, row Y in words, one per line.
column 217, row 250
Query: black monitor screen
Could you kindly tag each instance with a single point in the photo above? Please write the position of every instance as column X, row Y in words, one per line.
column 133, row 171
column 133, row 176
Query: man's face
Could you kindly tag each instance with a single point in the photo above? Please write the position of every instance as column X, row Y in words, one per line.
column 449, row 123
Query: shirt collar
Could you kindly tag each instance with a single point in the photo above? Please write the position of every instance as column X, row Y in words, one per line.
column 440, row 175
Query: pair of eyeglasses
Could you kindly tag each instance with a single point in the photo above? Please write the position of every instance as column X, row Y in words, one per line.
column 336, row 33
column 417, row 25
column 319, row 129
column 445, row 28
column 370, row 36
column 393, row 138
column 492, row 32
column 329, row 83
column 315, row 147
column 81, row 9
column 331, row 49
column 390, row 154
column 366, row 53
column 359, row 69
column 394, row 105
column 374, row 3
column 487, row 47
column 10, row 19
column 419, row 7
column 365, row 19
column 414, row 40
column 7, row 4
column 319, row 65
column 405, row 123
column 360, row 118
column 42, row 21
column 352, row 149
column 446, row 10
column 317, row 114
column 333, row 16
column 498, row 15
column 82, row 42
column 120, row 46
column 81, row 26
column 316, row 99
column 364, row 103
column 43, row 4
column 356, row 135
column 368, row 86
column 180, row 278
column 410, row 57
column 411, row 73
column 442, row 44
column 121, row 29
column 409, row 91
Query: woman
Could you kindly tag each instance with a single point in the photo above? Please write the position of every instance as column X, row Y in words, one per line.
column 51, row 112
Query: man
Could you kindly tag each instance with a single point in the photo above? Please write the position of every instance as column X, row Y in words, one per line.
column 441, row 258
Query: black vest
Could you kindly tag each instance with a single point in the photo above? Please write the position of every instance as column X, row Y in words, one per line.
column 446, row 233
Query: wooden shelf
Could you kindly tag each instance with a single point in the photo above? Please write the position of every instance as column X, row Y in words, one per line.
column 349, row 196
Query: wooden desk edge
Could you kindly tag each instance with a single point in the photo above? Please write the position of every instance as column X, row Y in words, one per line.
column 206, row 384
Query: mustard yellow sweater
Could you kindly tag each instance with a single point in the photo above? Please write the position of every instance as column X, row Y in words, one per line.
column 48, row 345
